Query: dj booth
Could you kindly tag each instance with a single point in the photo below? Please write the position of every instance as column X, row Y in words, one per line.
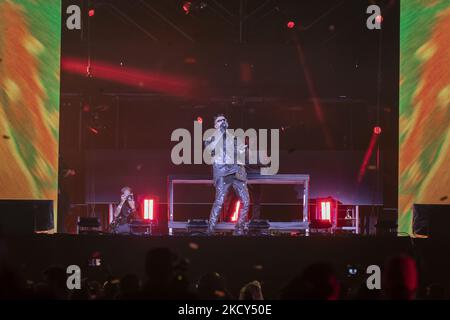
column 280, row 179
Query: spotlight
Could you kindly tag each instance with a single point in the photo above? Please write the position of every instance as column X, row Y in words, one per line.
column 193, row 6
column 93, row 130
column 187, row 7
column 379, row 19
column 290, row 24
column 88, row 71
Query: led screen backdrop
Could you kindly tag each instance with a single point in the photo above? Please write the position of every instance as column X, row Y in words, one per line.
column 424, row 106
column 30, row 36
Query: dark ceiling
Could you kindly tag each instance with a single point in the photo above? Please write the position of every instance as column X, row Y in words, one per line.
column 240, row 57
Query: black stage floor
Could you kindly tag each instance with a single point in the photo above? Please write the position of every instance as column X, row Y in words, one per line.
column 271, row 260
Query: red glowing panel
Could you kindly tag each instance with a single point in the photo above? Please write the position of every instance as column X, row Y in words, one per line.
column 149, row 206
column 325, row 210
column 235, row 215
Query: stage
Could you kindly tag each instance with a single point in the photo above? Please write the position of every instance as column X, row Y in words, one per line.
column 271, row 260
column 318, row 129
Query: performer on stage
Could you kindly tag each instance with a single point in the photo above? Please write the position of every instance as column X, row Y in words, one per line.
column 125, row 212
column 228, row 172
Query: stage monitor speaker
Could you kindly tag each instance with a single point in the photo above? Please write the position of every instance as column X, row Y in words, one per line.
column 387, row 222
column 368, row 217
column 19, row 217
column 431, row 220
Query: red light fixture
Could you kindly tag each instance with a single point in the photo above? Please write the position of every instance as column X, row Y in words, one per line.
column 290, row 24
column 187, row 7
column 199, row 119
column 235, row 215
column 149, row 212
column 326, row 209
column 379, row 19
column 377, row 130
column 91, row 12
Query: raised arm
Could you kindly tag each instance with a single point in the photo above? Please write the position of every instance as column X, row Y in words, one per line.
column 123, row 198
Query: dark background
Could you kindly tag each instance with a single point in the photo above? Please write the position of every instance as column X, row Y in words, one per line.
column 236, row 57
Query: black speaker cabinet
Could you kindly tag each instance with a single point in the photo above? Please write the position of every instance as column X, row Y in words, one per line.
column 18, row 217
column 431, row 220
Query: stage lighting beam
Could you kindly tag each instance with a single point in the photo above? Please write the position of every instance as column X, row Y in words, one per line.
column 235, row 215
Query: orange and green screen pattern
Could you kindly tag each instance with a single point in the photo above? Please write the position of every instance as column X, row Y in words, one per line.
column 424, row 106
column 30, row 37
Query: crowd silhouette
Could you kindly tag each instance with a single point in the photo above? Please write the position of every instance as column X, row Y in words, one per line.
column 167, row 279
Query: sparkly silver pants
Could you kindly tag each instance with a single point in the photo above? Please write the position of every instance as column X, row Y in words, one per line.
column 223, row 185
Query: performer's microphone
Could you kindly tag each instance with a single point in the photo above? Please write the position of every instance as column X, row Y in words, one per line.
column 223, row 126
